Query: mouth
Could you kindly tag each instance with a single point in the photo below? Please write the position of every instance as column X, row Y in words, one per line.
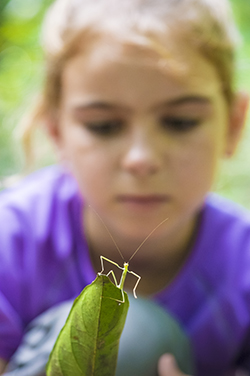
column 143, row 201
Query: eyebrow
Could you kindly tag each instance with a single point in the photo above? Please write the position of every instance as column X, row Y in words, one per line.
column 97, row 105
column 189, row 99
column 180, row 101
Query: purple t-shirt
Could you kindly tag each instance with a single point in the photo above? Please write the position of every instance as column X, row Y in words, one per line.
column 44, row 260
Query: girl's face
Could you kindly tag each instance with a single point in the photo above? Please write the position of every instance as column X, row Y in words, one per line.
column 143, row 143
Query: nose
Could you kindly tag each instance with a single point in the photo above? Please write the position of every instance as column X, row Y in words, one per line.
column 142, row 155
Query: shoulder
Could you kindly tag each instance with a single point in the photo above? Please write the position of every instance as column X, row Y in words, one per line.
column 37, row 210
column 37, row 195
column 219, row 260
column 224, row 220
column 223, row 247
column 226, row 209
column 38, row 218
column 40, row 186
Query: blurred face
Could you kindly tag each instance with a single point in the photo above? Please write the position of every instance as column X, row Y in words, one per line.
column 143, row 143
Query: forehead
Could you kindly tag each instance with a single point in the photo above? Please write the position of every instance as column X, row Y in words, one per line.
column 111, row 67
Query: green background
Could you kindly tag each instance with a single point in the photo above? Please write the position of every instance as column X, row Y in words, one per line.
column 21, row 74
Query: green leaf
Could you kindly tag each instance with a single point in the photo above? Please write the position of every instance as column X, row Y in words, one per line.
column 89, row 341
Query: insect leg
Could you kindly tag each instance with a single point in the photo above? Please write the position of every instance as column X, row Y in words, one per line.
column 110, row 272
column 102, row 258
column 138, row 280
column 112, row 262
column 123, row 298
column 117, row 300
column 113, row 275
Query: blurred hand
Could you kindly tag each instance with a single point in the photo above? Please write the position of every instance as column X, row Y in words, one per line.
column 167, row 366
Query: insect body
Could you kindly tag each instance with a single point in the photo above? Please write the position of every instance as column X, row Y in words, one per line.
column 125, row 270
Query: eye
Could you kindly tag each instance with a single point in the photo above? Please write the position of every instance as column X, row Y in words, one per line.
column 104, row 127
column 179, row 124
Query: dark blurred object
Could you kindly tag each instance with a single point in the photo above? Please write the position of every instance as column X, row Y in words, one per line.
column 149, row 332
column 31, row 357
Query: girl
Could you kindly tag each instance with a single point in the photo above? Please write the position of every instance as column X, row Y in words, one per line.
column 140, row 104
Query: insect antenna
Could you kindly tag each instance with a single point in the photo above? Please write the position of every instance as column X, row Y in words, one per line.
column 118, row 249
column 137, row 249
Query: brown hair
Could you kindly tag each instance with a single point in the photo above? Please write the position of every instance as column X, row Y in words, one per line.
column 206, row 25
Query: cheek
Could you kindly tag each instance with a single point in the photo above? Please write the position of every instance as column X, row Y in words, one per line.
column 91, row 168
column 92, row 175
column 198, row 159
column 90, row 161
column 76, row 146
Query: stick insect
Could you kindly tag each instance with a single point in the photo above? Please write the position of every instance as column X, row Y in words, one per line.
column 125, row 268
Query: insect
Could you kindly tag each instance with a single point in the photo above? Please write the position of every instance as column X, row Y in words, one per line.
column 125, row 268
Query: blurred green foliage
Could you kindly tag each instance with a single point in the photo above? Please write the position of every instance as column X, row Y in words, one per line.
column 21, row 72
column 234, row 179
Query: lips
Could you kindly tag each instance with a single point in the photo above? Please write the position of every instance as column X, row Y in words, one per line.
column 143, row 200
